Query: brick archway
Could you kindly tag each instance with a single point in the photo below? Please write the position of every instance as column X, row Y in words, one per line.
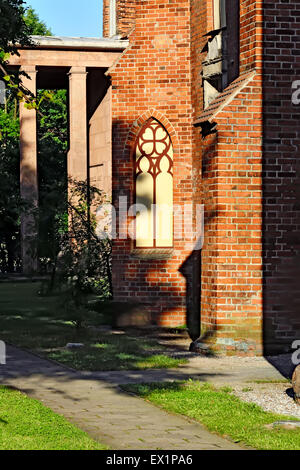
column 140, row 122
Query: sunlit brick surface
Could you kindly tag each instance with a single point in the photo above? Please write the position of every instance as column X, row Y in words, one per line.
column 246, row 173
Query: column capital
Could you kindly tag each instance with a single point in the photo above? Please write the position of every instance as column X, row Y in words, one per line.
column 77, row 71
column 29, row 69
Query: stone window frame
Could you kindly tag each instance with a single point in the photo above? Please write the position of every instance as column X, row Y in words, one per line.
column 221, row 66
column 219, row 14
column 154, row 250
column 112, row 18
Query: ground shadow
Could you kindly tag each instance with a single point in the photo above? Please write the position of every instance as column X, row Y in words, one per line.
column 22, row 365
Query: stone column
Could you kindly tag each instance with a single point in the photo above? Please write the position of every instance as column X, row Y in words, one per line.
column 77, row 156
column 28, row 177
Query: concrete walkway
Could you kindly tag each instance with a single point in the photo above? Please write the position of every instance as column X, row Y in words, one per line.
column 95, row 403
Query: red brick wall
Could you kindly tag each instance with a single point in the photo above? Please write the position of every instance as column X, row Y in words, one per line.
column 201, row 20
column 231, row 297
column 105, row 18
column 153, row 78
column 246, row 174
column 125, row 17
column 232, row 192
column 281, row 224
column 250, row 34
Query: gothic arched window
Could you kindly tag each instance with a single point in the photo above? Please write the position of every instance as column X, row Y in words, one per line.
column 154, row 187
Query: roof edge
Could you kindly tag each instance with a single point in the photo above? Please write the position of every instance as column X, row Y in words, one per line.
column 225, row 98
column 76, row 43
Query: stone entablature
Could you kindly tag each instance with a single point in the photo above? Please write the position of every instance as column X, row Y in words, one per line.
column 78, row 64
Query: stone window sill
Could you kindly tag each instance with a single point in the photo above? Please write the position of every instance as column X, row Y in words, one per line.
column 152, row 253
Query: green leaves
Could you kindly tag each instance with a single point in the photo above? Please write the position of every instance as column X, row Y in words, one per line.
column 10, row 200
column 17, row 23
column 35, row 25
column 13, row 28
column 31, row 105
column 4, row 56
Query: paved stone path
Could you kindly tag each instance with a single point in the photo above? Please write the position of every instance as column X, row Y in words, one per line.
column 95, row 403
column 219, row 371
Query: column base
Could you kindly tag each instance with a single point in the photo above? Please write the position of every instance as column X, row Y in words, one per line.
column 227, row 347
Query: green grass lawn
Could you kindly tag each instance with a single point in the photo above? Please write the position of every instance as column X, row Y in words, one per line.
column 26, row 424
column 221, row 412
column 30, row 321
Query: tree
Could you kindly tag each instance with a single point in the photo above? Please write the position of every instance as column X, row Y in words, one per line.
column 35, row 26
column 10, row 200
column 81, row 265
column 52, row 166
column 13, row 25
column 13, row 28
column 13, row 33
column 17, row 23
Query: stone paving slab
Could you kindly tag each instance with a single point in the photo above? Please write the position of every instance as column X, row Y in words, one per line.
column 98, row 406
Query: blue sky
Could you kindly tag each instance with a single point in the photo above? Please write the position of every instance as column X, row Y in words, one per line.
column 70, row 17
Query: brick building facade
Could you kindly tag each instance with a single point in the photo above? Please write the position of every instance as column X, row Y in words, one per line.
column 193, row 106
column 152, row 79
column 217, row 75
column 281, row 173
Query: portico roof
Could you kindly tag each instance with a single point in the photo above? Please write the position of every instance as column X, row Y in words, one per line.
column 62, row 42
column 55, row 51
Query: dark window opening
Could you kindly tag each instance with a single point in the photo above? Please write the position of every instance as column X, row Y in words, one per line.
column 221, row 65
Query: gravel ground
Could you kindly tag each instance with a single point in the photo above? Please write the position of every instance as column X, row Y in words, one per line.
column 277, row 398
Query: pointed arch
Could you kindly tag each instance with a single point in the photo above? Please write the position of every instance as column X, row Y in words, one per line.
column 153, row 181
column 139, row 123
